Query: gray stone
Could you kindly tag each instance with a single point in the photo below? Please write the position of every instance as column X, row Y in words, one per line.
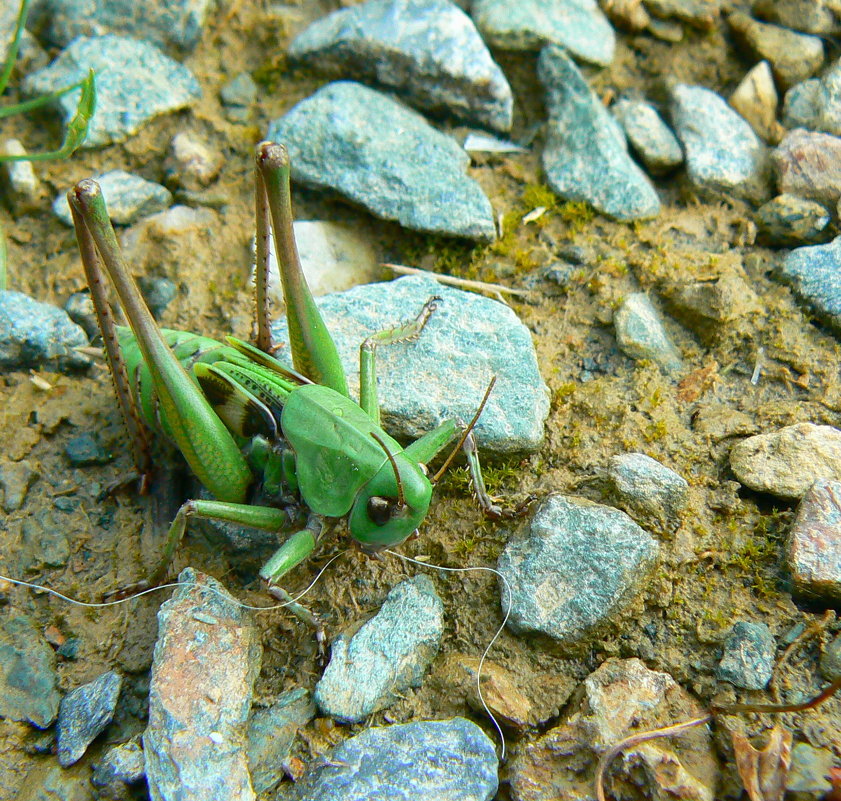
column 806, row 164
column 271, row 733
column 814, row 274
column 748, row 660
column 207, row 657
column 445, row 372
column 387, row 656
column 176, row 22
column 788, row 221
column 43, row 542
column 239, row 91
column 830, row 664
column 128, row 197
column 723, row 154
column 84, row 714
column 79, row 308
column 809, row 770
column 579, row 26
column 385, row 157
column 157, row 292
column 120, row 766
column 35, row 334
column 135, row 82
column 15, row 480
column 22, row 187
column 581, row 564
column 191, row 163
column 641, row 334
column 648, row 489
column 814, row 542
column 448, row 760
column 793, row 56
column 787, row 462
column 28, row 680
column 815, row 104
column 84, row 450
column 650, row 137
column 428, row 50
column 586, row 156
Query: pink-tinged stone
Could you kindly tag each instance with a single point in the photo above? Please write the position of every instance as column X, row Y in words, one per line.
column 814, row 545
column 808, row 164
column 207, row 657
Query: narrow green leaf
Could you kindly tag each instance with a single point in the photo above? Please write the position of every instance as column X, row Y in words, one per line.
column 15, row 46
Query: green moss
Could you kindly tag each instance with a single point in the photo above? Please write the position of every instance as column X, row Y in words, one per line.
column 536, row 195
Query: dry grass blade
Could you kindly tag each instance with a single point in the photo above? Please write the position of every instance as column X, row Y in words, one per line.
column 494, row 290
column 764, row 772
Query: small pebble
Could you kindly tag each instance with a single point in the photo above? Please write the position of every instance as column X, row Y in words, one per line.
column 755, row 98
column 807, row 776
column 816, row 103
column 84, row 714
column 789, row 221
column 158, row 293
column 830, row 664
column 748, row 660
column 579, row 26
column 15, row 480
column 429, row 759
column 814, row 542
column 649, row 136
column 43, row 542
column 793, row 56
column 580, row 565
column 35, row 334
column 190, row 163
column 23, row 189
column 815, row 275
column 85, row 450
column 702, row 14
column 723, row 154
column 808, row 164
column 387, row 656
column 787, row 462
column 241, row 90
column 79, row 308
column 641, row 334
column 799, row 15
column 648, row 489
column 120, row 766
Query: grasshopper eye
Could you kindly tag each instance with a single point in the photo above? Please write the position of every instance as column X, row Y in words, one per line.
column 381, row 510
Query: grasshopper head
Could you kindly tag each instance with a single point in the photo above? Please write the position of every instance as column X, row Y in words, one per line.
column 390, row 506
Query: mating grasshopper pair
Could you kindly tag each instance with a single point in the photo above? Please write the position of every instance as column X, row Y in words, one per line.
column 262, row 437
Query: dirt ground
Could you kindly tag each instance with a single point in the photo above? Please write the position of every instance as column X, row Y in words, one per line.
column 725, row 562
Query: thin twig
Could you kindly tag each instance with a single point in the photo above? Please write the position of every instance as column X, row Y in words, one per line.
column 497, row 290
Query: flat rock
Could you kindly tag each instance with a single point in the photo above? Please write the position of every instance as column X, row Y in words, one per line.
column 28, row 679
column 799, row 15
column 578, row 26
column 814, row 273
column 387, row 656
column 787, row 462
column 806, row 164
column 84, row 714
column 448, row 760
column 789, row 221
column 207, row 657
column 701, row 14
column 445, row 372
column 428, row 50
column 586, row 156
column 641, row 333
column 35, row 334
column 15, row 480
column 814, row 543
column 816, row 103
column 580, row 565
column 648, row 489
column 748, row 659
column 135, row 82
column 723, row 154
column 620, row 699
column 650, row 137
column 128, row 197
column 176, row 22
column 755, row 98
column 386, row 157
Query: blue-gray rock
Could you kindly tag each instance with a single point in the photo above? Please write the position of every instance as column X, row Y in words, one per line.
column 808, row 775
column 84, row 450
column 830, row 664
column 388, row 655
column 814, row 273
column 176, row 22
column 382, row 155
column 648, row 489
column 240, row 91
column 119, row 766
column 42, row 542
column 788, row 221
column 207, row 657
column 135, row 82
column 723, row 154
column 128, row 197
column 580, row 565
column 271, row 732
column 35, row 334
column 428, row 50
column 641, row 334
column 586, row 156
column 445, row 760
column 650, row 137
column 84, row 714
column 28, row 680
column 157, row 292
column 816, row 103
column 748, row 660
column 576, row 25
column 445, row 372
column 15, row 480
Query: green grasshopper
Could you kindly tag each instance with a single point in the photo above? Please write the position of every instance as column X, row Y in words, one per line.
column 258, row 434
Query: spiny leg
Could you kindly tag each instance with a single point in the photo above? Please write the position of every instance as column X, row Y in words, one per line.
column 262, row 320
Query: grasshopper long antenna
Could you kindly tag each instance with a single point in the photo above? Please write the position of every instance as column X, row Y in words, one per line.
column 401, row 498
column 465, row 433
